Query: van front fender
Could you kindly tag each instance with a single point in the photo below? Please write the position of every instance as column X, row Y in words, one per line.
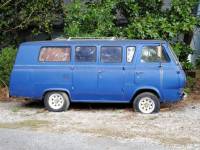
column 147, row 89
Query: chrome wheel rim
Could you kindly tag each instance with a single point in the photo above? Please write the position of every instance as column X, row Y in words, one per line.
column 146, row 105
column 56, row 101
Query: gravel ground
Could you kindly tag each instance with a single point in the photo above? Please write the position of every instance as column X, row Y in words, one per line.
column 29, row 140
column 177, row 126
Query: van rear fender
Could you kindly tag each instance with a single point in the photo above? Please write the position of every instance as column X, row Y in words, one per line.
column 57, row 89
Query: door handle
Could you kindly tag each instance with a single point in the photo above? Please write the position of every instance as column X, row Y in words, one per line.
column 139, row 72
column 72, row 67
column 100, row 71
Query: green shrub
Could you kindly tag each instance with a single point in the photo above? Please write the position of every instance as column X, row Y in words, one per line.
column 139, row 20
column 190, row 84
column 89, row 19
column 197, row 63
column 182, row 51
column 187, row 65
column 7, row 58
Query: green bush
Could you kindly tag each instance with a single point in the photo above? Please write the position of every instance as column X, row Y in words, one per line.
column 7, row 58
column 143, row 20
column 190, row 84
column 89, row 19
column 197, row 63
column 182, row 51
column 187, row 65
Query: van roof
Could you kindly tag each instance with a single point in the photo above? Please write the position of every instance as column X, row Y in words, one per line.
column 98, row 41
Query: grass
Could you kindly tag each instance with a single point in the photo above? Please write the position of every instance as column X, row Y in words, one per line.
column 25, row 124
column 15, row 109
column 152, row 118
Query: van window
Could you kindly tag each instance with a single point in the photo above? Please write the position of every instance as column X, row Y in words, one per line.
column 85, row 54
column 130, row 51
column 154, row 54
column 111, row 54
column 57, row 54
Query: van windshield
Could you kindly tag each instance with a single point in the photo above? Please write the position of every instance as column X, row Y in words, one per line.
column 174, row 56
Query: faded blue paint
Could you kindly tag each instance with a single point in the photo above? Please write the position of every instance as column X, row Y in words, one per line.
column 95, row 82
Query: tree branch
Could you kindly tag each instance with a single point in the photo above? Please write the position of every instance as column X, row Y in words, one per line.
column 7, row 91
column 5, row 4
column 18, row 26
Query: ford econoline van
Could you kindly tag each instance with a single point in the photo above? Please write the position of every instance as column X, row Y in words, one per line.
column 142, row 72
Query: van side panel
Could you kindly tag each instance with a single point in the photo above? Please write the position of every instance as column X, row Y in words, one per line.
column 31, row 78
column 109, row 82
column 50, row 77
column 171, row 87
column 20, row 84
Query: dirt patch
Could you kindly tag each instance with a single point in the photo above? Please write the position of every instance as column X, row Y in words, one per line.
column 33, row 124
column 179, row 141
column 4, row 94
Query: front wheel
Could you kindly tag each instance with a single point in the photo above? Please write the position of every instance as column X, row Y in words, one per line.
column 56, row 101
column 146, row 103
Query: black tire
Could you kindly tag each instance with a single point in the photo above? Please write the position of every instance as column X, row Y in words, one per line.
column 65, row 101
column 154, row 99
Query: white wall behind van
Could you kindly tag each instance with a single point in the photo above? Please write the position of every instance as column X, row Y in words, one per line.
column 195, row 43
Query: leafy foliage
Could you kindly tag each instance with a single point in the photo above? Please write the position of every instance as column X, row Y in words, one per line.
column 197, row 63
column 145, row 20
column 190, row 84
column 182, row 50
column 100, row 18
column 92, row 19
column 21, row 16
column 24, row 15
column 7, row 58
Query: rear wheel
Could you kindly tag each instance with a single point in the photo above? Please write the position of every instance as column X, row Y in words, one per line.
column 146, row 103
column 56, row 101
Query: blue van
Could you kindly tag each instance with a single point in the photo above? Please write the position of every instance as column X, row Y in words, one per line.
column 142, row 72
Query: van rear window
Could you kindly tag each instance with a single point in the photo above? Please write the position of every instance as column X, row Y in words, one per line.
column 55, row 54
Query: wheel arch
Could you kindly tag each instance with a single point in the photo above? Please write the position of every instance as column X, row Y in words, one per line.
column 142, row 90
column 56, row 90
